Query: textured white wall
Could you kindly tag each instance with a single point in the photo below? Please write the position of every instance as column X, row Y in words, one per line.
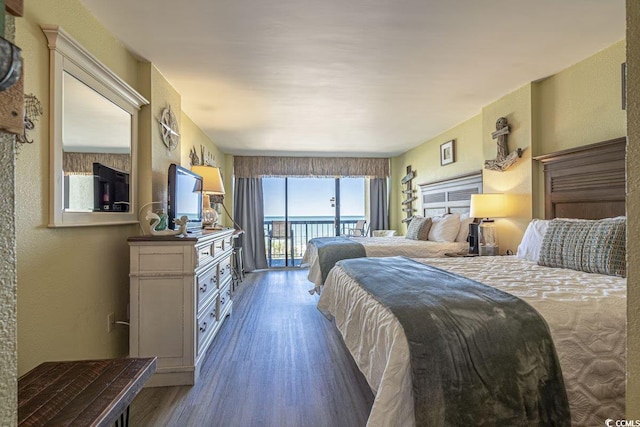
column 633, row 209
column 8, row 349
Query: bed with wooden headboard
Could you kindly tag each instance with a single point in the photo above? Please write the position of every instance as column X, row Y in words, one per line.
column 585, row 312
column 451, row 195
column 585, row 182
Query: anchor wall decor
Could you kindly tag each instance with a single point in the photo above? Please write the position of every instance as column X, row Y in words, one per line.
column 503, row 159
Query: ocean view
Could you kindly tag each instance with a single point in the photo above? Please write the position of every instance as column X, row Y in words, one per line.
column 303, row 228
column 312, row 218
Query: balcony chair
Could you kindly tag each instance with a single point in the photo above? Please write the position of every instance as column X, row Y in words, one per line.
column 278, row 232
column 359, row 230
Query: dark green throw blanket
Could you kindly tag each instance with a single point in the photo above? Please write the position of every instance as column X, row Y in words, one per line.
column 334, row 249
column 479, row 356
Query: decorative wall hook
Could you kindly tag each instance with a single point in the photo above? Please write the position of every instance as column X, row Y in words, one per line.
column 32, row 112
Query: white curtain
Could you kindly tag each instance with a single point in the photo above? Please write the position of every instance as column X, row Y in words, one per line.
column 249, row 214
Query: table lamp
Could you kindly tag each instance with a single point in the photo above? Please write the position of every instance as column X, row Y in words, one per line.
column 488, row 206
column 212, row 192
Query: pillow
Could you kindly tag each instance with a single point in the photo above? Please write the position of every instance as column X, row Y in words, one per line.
column 463, row 232
column 445, row 228
column 592, row 246
column 531, row 243
column 418, row 228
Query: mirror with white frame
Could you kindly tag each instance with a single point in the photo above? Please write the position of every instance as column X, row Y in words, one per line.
column 93, row 143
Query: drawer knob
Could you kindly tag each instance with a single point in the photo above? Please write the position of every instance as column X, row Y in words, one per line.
column 203, row 288
column 212, row 314
column 213, row 279
column 203, row 328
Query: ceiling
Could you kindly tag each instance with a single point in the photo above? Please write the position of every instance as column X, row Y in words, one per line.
column 357, row 77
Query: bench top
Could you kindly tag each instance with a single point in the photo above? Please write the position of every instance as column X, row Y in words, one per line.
column 81, row 393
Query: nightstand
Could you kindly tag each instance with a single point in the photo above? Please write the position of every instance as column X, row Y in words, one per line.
column 460, row 255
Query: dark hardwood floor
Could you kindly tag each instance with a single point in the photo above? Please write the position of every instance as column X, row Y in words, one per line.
column 275, row 362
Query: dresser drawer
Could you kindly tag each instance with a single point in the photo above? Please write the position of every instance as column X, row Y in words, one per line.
column 227, row 243
column 224, row 301
column 205, row 255
column 206, row 286
column 224, row 271
column 155, row 259
column 207, row 323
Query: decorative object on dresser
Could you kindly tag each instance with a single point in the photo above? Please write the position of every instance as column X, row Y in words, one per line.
column 180, row 294
column 447, row 152
column 488, row 206
column 154, row 229
column 504, row 159
column 409, row 191
column 213, row 190
column 206, row 158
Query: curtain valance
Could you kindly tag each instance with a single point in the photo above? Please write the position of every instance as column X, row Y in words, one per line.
column 261, row 166
column 83, row 162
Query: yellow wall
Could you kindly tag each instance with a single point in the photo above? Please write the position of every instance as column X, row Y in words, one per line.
column 425, row 160
column 516, row 180
column 633, row 210
column 580, row 105
column 192, row 136
column 70, row 279
column 163, row 95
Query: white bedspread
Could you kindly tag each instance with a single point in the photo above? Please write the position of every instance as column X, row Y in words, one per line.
column 382, row 247
column 586, row 314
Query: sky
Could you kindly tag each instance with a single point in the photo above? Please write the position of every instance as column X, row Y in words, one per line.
column 311, row 196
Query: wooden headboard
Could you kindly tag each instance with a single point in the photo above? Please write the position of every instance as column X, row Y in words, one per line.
column 452, row 195
column 585, row 182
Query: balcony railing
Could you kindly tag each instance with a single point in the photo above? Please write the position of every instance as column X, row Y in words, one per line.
column 300, row 233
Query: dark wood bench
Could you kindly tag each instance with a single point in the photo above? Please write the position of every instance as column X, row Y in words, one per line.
column 82, row 393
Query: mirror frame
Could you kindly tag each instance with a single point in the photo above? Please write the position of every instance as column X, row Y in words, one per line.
column 66, row 54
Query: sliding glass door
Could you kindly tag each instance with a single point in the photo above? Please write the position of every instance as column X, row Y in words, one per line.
column 299, row 209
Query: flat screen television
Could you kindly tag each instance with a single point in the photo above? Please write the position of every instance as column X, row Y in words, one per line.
column 110, row 189
column 185, row 197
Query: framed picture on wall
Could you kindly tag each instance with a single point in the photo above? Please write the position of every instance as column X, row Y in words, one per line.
column 447, row 152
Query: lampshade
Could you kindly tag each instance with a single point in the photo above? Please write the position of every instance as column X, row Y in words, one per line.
column 211, row 179
column 488, row 206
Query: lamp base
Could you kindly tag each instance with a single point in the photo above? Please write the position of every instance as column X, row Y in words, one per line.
column 488, row 250
column 209, row 217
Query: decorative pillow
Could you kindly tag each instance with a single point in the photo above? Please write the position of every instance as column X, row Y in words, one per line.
column 463, row 232
column 418, row 228
column 531, row 243
column 445, row 228
column 593, row 246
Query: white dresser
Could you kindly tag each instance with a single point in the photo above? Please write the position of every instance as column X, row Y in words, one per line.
column 180, row 293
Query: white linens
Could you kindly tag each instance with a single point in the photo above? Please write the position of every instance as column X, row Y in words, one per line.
column 586, row 314
column 383, row 247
